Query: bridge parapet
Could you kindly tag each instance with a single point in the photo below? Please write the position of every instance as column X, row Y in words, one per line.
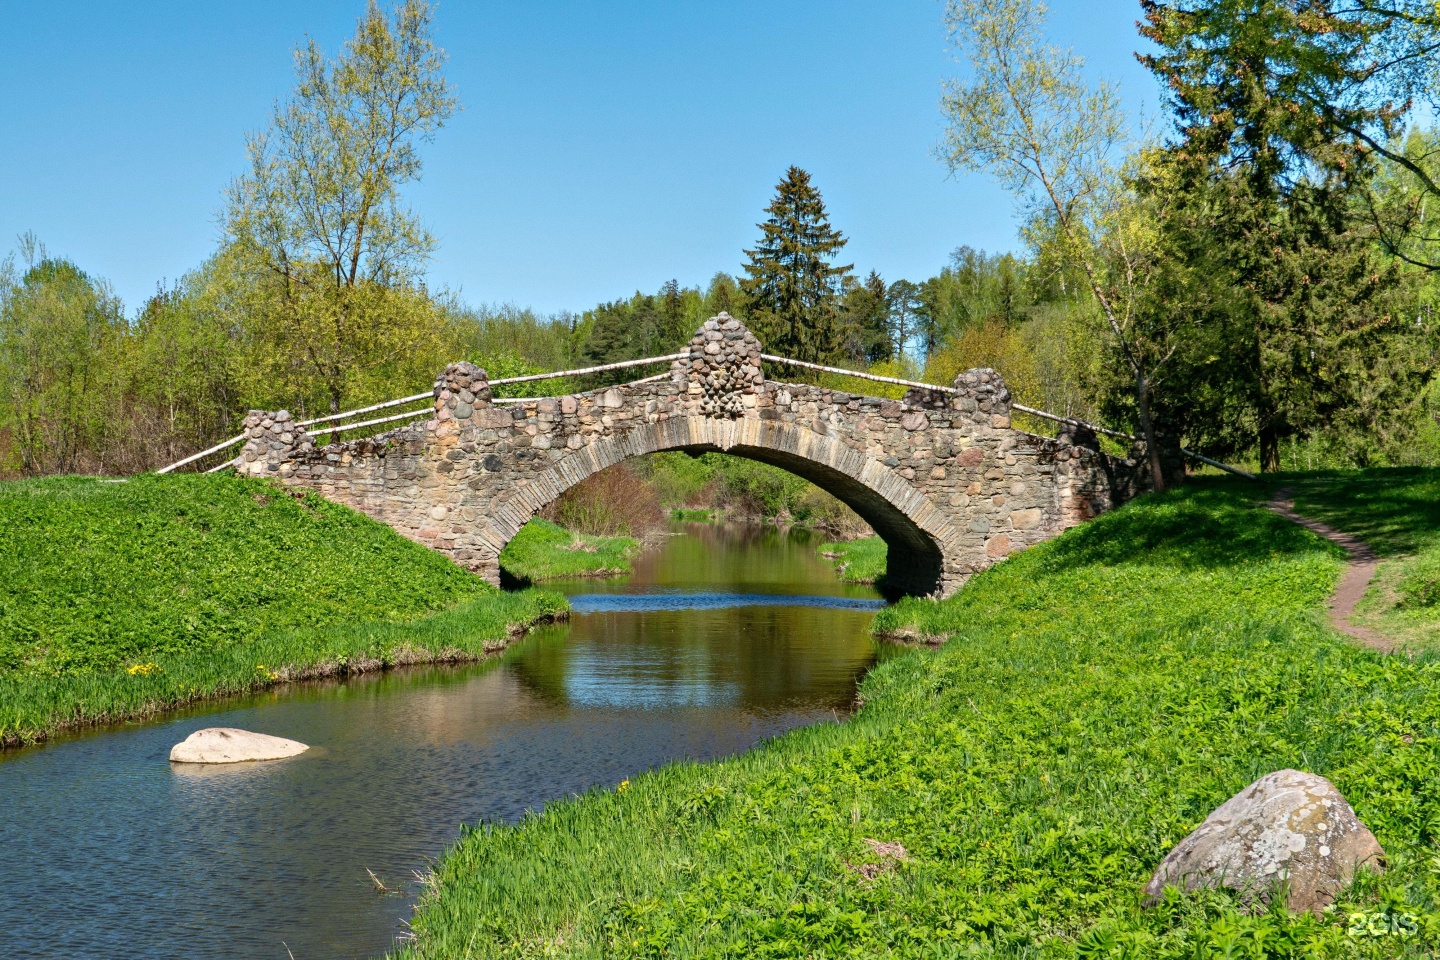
column 272, row 440
column 942, row 476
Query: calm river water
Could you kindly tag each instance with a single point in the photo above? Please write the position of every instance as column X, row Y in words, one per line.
column 723, row 637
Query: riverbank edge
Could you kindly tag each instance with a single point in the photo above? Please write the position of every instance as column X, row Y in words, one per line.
column 544, row 550
column 637, row 919
column 331, row 667
column 861, row 560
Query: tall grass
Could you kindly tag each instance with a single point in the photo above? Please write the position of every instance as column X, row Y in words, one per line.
column 857, row 561
column 612, row 503
column 543, row 550
column 1099, row 696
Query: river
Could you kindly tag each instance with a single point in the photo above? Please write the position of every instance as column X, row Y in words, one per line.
column 722, row 637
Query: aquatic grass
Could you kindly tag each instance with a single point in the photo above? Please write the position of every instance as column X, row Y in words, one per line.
column 857, row 561
column 118, row 600
column 543, row 550
column 1099, row 695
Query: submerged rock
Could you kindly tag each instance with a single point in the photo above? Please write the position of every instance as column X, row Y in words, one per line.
column 229, row 745
column 1288, row 828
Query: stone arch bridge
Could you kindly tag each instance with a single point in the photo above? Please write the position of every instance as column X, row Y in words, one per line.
column 941, row 475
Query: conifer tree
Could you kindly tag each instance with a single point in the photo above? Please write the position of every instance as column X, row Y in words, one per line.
column 792, row 288
column 1272, row 161
column 867, row 321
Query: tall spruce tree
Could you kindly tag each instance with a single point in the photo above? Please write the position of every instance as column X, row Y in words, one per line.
column 792, row 287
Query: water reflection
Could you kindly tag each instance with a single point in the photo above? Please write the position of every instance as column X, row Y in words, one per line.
column 106, row 850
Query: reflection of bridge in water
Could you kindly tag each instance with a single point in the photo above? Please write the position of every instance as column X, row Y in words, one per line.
column 941, row 475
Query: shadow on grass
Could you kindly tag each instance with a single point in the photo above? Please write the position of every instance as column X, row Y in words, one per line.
column 513, row 581
column 1396, row 510
column 1205, row 524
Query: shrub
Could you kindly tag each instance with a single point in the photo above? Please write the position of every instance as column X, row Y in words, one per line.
column 612, row 503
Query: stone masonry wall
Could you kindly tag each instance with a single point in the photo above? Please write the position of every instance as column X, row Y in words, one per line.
column 944, row 478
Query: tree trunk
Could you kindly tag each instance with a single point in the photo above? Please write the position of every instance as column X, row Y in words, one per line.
column 1269, row 445
column 1147, row 430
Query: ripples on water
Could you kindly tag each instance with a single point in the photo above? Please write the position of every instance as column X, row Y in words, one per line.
column 722, row 638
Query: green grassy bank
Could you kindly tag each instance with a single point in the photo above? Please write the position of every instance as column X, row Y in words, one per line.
column 1099, row 696
column 857, row 561
column 543, row 550
column 121, row 599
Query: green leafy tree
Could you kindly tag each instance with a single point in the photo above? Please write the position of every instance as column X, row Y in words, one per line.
column 1278, row 117
column 723, row 295
column 906, row 314
column 182, row 384
column 58, row 330
column 338, row 305
column 792, row 287
column 1027, row 116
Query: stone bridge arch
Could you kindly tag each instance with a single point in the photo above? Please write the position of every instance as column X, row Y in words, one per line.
column 943, row 477
column 913, row 527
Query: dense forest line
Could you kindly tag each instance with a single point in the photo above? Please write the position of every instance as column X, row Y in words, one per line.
column 1258, row 284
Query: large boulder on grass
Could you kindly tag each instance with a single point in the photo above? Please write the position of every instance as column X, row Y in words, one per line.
column 1288, row 831
column 229, row 745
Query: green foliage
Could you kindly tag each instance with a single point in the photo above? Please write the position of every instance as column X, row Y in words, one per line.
column 205, row 577
column 1420, row 583
column 35, row 704
column 866, row 326
column 678, row 478
column 972, row 289
column 544, row 550
column 857, row 561
column 1102, row 693
column 1028, row 116
column 336, row 294
column 57, row 325
column 1280, row 90
column 644, row 326
column 1269, row 241
column 791, row 285
column 198, row 561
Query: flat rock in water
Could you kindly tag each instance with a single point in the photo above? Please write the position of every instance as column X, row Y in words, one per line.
column 1288, row 827
column 229, row 745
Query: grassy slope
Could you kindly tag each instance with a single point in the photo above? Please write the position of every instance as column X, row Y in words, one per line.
column 857, row 561
column 1398, row 513
column 547, row 551
column 117, row 599
column 1102, row 694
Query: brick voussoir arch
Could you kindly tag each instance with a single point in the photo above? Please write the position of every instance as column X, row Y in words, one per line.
column 942, row 476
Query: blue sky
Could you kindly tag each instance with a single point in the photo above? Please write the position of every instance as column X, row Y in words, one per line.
column 602, row 148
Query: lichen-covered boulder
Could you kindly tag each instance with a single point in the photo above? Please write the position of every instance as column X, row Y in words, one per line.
column 229, row 745
column 1287, row 828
